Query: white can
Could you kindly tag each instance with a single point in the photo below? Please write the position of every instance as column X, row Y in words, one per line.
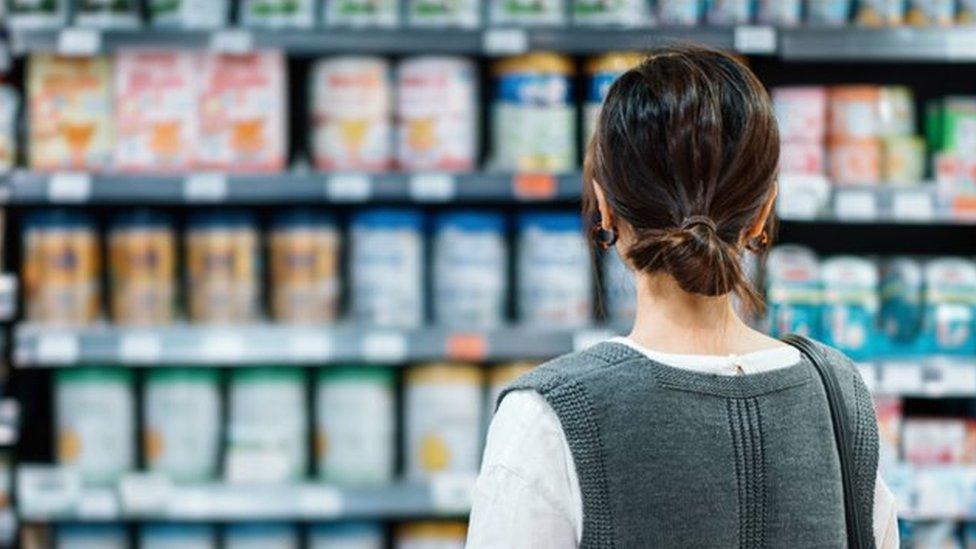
column 444, row 13
column 95, row 421
column 470, row 283
column 177, row 536
column 91, row 536
column 361, row 13
column 431, row 535
column 554, row 278
column 352, row 107
column 386, row 262
column 261, row 536
column 181, row 408
column 278, row 13
column 437, row 114
column 527, row 12
column 34, row 14
column 189, row 14
column 355, row 422
column 347, row 535
column 268, row 427
column 443, row 419
column 619, row 289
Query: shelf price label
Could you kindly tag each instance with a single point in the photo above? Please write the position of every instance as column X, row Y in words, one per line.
column 205, row 187
column 140, row 348
column 98, row 504
column 57, row 348
column 309, row 346
column 144, row 493
column 69, row 187
column 223, row 347
column 912, row 205
column 43, row 491
column 801, row 196
column 452, row 492
column 468, row 347
column 319, row 502
column 505, row 41
column 534, row 186
column 898, row 378
column 79, row 42
column 350, row 187
column 755, row 39
column 855, row 205
column 432, row 187
column 232, row 41
column 384, row 347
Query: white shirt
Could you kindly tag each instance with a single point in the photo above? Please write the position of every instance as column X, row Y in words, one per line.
column 528, row 495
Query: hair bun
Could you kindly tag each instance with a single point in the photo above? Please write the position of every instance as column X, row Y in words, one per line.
column 699, row 259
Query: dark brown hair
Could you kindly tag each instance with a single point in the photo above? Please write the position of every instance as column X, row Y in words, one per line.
column 686, row 152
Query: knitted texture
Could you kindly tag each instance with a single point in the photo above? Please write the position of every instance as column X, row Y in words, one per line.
column 667, row 457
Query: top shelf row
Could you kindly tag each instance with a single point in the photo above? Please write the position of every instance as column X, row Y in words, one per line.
column 930, row 44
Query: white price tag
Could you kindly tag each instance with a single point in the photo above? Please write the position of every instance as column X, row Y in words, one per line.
column 505, row 41
column 319, row 502
column 232, row 41
column 205, row 187
column 432, row 187
column 79, row 42
column 223, row 347
column 257, row 465
column 57, row 348
column 855, row 205
column 758, row 39
column 960, row 44
column 452, row 492
column 898, row 378
column 98, row 504
column 801, row 196
column 43, row 491
column 584, row 339
column 308, row 347
column 193, row 502
column 914, row 205
column 349, row 187
column 145, row 493
column 384, row 347
column 140, row 348
column 952, row 378
column 71, row 187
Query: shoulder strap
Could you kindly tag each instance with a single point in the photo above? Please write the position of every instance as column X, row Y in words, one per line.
column 841, row 424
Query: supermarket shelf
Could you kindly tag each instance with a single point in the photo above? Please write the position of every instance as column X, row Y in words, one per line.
column 44, row 346
column 32, row 188
column 492, row 41
column 938, row 44
column 52, row 494
column 921, row 377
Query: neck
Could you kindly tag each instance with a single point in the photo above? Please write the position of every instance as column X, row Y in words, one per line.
column 671, row 320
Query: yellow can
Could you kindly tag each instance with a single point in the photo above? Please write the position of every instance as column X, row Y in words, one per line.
column 142, row 262
column 223, row 268
column 421, row 535
column 304, row 267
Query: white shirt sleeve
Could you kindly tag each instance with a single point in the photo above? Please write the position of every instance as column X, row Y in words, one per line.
column 528, row 494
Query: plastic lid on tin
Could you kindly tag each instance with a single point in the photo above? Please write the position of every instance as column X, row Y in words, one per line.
column 142, row 218
column 94, row 374
column 268, row 374
column 347, row 528
column 187, row 374
column 303, row 218
column 389, row 218
column 551, row 221
column 470, row 220
column 58, row 218
column 176, row 530
column 544, row 62
column 433, row 529
column 356, row 373
column 614, row 62
column 223, row 219
column 442, row 372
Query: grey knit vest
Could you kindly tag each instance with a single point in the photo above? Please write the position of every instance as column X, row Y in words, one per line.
column 673, row 458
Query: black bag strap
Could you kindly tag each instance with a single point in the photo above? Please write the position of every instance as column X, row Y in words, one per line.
column 842, row 426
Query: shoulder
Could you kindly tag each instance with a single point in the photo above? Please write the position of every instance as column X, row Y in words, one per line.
column 573, row 367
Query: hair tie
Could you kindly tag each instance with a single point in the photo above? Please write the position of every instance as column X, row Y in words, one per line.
column 693, row 220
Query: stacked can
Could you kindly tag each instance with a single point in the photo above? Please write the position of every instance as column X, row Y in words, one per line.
column 903, row 152
column 602, row 71
column 880, row 13
column 223, row 267
column 802, row 116
column 142, row 268
column 304, row 251
column 428, row 535
column 854, row 146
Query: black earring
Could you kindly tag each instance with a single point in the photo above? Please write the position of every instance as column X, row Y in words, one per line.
column 605, row 238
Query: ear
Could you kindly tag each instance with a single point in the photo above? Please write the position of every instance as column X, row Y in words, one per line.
column 606, row 214
column 760, row 223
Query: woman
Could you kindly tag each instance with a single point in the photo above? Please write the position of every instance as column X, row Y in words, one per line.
column 695, row 430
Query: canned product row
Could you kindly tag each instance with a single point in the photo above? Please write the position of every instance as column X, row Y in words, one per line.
column 468, row 13
column 169, row 111
column 899, row 305
column 397, row 261
column 266, row 431
column 344, row 535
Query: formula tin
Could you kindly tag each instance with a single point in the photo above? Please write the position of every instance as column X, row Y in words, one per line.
column 793, row 291
column 470, row 275
column 431, row 535
column 267, row 431
column 901, row 299
column 142, row 268
column 95, row 423
column 223, row 267
column 533, row 116
column 352, row 102
column 355, row 411
column 950, row 306
column 443, row 405
column 277, row 13
column 305, row 279
column 629, row 13
column 783, row 13
column 361, row 13
column 850, row 305
column 926, row 13
column 554, row 280
column 854, row 161
column 386, row 267
column 602, row 71
column 188, row 14
column 903, row 160
column 107, row 14
column 527, row 12
column 182, row 414
column 729, row 12
column 683, row 13
column 801, row 112
column 61, row 268
column 880, row 13
column 437, row 114
column 831, row 13
column 444, row 13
